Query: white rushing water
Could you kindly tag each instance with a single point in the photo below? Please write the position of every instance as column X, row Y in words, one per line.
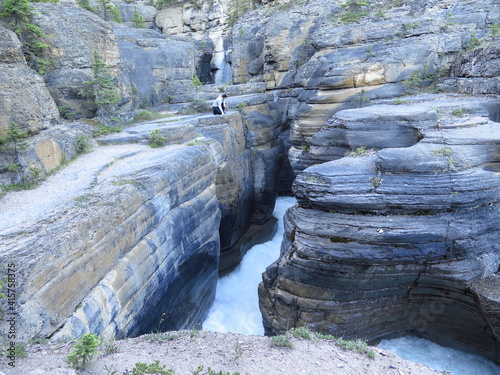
column 439, row 357
column 236, row 309
column 236, row 306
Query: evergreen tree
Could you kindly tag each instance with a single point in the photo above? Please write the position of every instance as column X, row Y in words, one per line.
column 101, row 88
column 85, row 4
column 19, row 14
column 13, row 144
column 138, row 20
column 109, row 11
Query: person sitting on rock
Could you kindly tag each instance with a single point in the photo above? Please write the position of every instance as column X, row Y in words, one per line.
column 219, row 105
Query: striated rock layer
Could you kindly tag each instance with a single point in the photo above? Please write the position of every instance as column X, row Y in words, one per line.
column 316, row 64
column 400, row 236
column 129, row 245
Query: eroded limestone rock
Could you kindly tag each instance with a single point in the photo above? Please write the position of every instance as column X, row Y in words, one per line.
column 131, row 238
column 402, row 238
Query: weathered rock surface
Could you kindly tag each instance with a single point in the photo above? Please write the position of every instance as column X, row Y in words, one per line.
column 251, row 156
column 46, row 151
column 24, row 98
column 153, row 64
column 145, row 65
column 317, row 66
column 401, row 238
column 129, row 245
column 71, row 53
column 210, row 23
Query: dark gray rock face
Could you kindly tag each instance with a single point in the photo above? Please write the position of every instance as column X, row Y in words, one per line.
column 152, row 63
column 477, row 72
column 401, row 237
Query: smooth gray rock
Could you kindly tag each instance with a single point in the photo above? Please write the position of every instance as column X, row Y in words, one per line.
column 152, row 63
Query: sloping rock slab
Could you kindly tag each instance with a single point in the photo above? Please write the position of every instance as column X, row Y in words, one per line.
column 124, row 241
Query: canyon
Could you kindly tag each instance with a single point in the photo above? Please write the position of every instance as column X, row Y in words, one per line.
column 385, row 128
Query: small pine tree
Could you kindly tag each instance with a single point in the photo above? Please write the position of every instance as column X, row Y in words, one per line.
column 13, row 144
column 19, row 14
column 196, row 82
column 109, row 11
column 85, row 4
column 84, row 351
column 138, row 20
column 117, row 17
column 101, row 88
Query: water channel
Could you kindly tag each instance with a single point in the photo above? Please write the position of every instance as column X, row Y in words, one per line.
column 236, row 309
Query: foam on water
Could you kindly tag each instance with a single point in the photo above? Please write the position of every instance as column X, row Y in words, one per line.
column 439, row 357
column 236, row 309
column 236, row 306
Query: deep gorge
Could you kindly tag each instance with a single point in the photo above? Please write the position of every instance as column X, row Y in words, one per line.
column 385, row 130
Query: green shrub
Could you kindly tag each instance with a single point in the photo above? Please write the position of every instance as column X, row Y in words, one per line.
column 105, row 130
column 358, row 345
column 196, row 82
column 82, row 144
column 84, row 351
column 302, row 332
column 361, row 99
column 13, row 144
column 156, row 139
column 459, row 112
column 153, row 368
column 355, row 10
column 281, row 341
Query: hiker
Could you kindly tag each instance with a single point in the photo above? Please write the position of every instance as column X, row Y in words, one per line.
column 219, row 105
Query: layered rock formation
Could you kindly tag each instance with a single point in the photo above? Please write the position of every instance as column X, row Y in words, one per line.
column 139, row 233
column 128, row 246
column 401, row 235
column 248, row 175
column 318, row 64
column 395, row 229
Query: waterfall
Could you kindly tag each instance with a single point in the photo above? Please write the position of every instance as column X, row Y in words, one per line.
column 223, row 72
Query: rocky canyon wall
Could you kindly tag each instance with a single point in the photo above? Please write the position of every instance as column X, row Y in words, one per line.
column 114, row 242
column 395, row 241
column 394, row 231
column 395, row 228
column 127, row 239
